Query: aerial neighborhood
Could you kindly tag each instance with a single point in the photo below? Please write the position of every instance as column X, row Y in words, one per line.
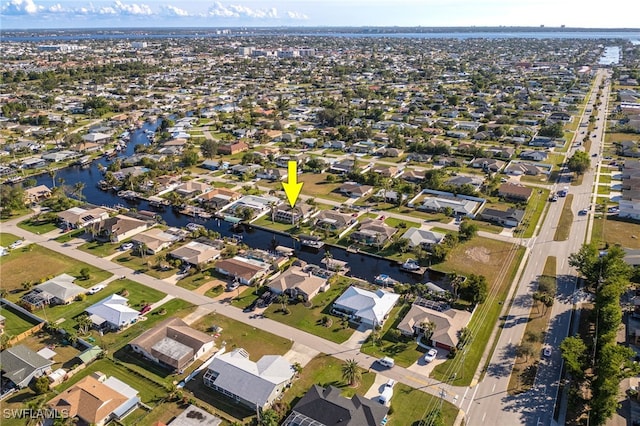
column 155, row 271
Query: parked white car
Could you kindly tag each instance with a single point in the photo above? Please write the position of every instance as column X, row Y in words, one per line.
column 126, row 246
column 16, row 244
column 95, row 289
column 430, row 355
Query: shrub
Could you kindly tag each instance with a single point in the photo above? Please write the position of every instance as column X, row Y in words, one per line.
column 41, row 385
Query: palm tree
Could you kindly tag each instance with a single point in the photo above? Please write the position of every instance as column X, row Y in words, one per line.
column 52, row 174
column 351, row 372
column 84, row 323
column 427, row 327
column 77, row 190
column 284, row 300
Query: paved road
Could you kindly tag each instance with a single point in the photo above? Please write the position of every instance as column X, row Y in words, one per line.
column 488, row 402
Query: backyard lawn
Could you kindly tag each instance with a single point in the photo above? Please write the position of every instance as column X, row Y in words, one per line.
column 15, row 322
column 33, row 263
column 309, row 318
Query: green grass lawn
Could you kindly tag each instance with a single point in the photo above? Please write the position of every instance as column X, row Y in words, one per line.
column 34, row 262
column 409, row 406
column 325, row 370
column 604, row 189
column 15, row 214
column 392, row 221
column 138, row 263
column 37, row 227
column 404, row 351
column 278, row 226
column 482, row 325
column 566, row 219
column 192, row 282
column 240, row 335
column 7, row 239
column 535, row 207
column 68, row 236
column 308, row 319
column 604, row 179
column 99, row 248
column 15, row 322
column 247, row 297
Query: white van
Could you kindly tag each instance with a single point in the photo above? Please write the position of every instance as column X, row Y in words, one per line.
column 387, row 392
column 386, row 362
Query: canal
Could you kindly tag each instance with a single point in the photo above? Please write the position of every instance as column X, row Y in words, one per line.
column 360, row 265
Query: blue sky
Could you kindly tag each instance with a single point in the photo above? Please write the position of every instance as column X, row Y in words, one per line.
column 211, row 13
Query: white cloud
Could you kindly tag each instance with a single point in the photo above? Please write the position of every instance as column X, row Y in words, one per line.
column 20, row 7
column 239, row 11
column 169, row 10
column 132, row 8
column 296, row 15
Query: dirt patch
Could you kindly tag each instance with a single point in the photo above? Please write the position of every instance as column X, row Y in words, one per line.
column 478, row 254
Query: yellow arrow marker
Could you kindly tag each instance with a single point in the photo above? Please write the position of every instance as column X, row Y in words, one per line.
column 292, row 188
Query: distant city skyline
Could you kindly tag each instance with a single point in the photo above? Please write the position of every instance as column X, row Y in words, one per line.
column 33, row 14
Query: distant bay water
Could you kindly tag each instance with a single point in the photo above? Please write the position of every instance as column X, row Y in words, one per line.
column 77, row 35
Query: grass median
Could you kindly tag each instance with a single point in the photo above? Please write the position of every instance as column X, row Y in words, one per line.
column 566, row 219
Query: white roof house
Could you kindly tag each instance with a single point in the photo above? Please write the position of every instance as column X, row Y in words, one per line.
column 366, row 307
column 422, row 237
column 113, row 311
column 254, row 384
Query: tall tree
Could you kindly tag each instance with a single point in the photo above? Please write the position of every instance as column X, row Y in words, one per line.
column 209, row 148
column 579, row 162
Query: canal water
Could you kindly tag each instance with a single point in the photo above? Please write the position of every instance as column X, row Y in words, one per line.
column 360, row 265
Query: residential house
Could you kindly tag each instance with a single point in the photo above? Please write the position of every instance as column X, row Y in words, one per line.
column 392, row 152
column 2, row 324
column 252, row 384
column 80, row 217
column 534, row 155
column 20, row 365
column 373, row 232
column 326, row 406
column 422, row 238
column 58, row 156
column 355, row 190
column 459, row 206
column 560, row 116
column 295, row 282
column 515, row 192
column 245, row 271
column 385, row 171
column 333, row 220
column 365, row 307
column 448, row 322
column 36, row 194
column 172, row 344
column 96, row 400
column 33, row 163
column 197, row 252
column 233, row 148
column 342, row 166
column 119, row 228
column 219, row 197
column 57, row 291
column 156, row 239
column 389, row 196
column 474, row 181
column 488, row 164
column 192, row 188
column 272, row 174
column 516, row 168
column 510, row 218
column 97, row 137
column 415, row 176
column 112, row 313
column 286, row 214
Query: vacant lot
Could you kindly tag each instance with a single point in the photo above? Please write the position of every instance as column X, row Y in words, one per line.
column 36, row 226
column 239, row 335
column 617, row 231
column 315, row 185
column 33, row 263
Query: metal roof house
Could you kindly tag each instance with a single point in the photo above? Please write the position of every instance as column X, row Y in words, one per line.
column 253, row 384
column 366, row 307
